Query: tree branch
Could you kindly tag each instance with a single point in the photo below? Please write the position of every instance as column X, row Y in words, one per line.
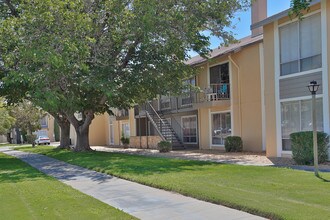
column 89, row 114
column 131, row 51
column 12, row 8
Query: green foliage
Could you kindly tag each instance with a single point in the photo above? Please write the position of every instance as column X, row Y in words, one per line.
column 27, row 116
column 298, row 7
column 233, row 144
column 124, row 140
column 164, row 146
column 56, row 131
column 302, row 147
column 6, row 121
column 29, row 194
column 249, row 188
column 31, row 138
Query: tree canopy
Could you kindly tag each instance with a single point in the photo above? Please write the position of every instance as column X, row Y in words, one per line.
column 87, row 56
column 27, row 116
column 6, row 121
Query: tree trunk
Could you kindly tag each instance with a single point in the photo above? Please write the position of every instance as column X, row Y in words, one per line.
column 82, row 139
column 82, row 129
column 65, row 134
column 64, row 124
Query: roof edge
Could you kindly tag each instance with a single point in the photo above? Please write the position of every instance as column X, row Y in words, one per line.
column 276, row 17
column 234, row 50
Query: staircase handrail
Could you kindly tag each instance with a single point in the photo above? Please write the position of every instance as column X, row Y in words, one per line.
column 178, row 131
column 155, row 126
column 155, row 113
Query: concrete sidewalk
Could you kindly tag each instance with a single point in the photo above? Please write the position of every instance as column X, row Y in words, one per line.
column 138, row 200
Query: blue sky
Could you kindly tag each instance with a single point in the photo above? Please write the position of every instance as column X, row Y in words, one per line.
column 243, row 25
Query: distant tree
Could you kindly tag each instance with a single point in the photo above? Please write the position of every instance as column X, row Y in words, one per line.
column 6, row 121
column 27, row 117
column 88, row 56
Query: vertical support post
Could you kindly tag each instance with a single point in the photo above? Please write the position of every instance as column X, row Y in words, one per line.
column 316, row 162
column 147, row 131
column 140, row 129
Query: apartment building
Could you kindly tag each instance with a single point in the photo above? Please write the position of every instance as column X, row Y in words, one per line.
column 295, row 53
column 255, row 89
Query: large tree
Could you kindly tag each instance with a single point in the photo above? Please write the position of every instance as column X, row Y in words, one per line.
column 16, row 92
column 87, row 56
column 93, row 55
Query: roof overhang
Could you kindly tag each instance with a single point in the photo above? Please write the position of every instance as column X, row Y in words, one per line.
column 276, row 17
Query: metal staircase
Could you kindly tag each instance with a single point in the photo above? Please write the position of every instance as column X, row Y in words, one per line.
column 163, row 127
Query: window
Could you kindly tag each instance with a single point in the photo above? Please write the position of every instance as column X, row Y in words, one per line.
column 297, row 116
column 125, row 130
column 221, row 127
column 219, row 81
column 189, row 129
column 219, row 74
column 111, row 132
column 43, row 122
column 300, row 45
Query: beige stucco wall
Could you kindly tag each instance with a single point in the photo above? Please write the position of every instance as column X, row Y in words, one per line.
column 98, row 130
column 245, row 102
column 270, row 106
column 204, row 128
column 50, row 128
column 272, row 147
column 247, row 97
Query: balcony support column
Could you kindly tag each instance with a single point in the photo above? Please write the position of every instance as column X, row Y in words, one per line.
column 239, row 93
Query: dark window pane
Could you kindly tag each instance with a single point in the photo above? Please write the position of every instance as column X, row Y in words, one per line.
column 310, row 63
column 289, row 68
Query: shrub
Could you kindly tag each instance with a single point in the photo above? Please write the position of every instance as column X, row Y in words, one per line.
column 302, row 147
column 233, row 144
column 125, row 141
column 164, row 146
column 30, row 138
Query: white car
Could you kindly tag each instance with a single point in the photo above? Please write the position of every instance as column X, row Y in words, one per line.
column 42, row 140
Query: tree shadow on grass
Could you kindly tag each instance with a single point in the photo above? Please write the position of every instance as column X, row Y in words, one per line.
column 13, row 170
column 323, row 179
column 118, row 163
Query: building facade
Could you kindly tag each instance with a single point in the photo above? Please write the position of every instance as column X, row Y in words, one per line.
column 255, row 89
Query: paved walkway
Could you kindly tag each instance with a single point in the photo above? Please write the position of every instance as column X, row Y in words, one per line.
column 239, row 158
column 138, row 200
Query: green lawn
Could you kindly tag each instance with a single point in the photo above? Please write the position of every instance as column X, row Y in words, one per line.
column 25, row 193
column 276, row 193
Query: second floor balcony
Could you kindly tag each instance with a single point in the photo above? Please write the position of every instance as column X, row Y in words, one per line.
column 121, row 114
column 214, row 94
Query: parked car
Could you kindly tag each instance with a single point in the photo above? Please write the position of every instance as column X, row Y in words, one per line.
column 42, row 140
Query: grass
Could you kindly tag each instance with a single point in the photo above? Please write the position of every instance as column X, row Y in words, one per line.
column 276, row 193
column 7, row 145
column 26, row 193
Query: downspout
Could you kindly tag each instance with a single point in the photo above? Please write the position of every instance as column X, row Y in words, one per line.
column 239, row 93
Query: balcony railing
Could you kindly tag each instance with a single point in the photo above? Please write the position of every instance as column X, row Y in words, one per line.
column 121, row 114
column 215, row 92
